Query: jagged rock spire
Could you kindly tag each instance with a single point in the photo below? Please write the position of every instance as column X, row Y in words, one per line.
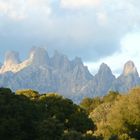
column 11, row 58
column 129, row 68
column 104, row 69
column 39, row 56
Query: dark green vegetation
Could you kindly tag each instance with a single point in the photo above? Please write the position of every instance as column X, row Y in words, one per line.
column 27, row 115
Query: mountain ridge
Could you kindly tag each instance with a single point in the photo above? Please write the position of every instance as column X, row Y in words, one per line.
column 71, row 78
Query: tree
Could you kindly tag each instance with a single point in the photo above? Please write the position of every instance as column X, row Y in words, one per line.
column 28, row 93
column 5, row 90
column 124, row 116
column 50, row 129
column 86, row 103
column 72, row 135
column 111, row 96
column 27, row 115
column 80, row 122
column 18, row 116
column 71, row 115
column 90, row 104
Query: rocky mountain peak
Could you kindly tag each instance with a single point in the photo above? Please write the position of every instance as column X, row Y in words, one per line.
column 77, row 61
column 39, row 56
column 59, row 57
column 129, row 68
column 103, row 80
column 60, row 61
column 128, row 79
column 104, row 69
column 11, row 58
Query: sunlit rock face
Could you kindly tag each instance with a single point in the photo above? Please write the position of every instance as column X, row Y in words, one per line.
column 39, row 56
column 11, row 58
column 129, row 68
column 128, row 79
column 10, row 62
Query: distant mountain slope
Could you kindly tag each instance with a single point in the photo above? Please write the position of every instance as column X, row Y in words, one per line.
column 58, row 74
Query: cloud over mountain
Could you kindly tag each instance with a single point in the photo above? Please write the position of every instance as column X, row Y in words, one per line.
column 93, row 29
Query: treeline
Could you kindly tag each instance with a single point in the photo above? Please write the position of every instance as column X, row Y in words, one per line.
column 27, row 115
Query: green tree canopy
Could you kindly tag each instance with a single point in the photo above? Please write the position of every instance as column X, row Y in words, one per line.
column 28, row 93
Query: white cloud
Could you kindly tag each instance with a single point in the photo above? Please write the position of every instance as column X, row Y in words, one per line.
column 20, row 10
column 102, row 18
column 91, row 29
column 12, row 9
column 76, row 4
column 130, row 50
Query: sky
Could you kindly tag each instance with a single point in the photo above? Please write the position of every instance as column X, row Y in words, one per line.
column 96, row 30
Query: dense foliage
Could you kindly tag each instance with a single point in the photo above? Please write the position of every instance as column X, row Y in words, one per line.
column 116, row 116
column 26, row 115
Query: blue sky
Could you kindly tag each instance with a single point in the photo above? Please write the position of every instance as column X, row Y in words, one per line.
column 95, row 30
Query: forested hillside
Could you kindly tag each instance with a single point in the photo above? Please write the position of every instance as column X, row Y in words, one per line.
column 116, row 116
column 27, row 115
